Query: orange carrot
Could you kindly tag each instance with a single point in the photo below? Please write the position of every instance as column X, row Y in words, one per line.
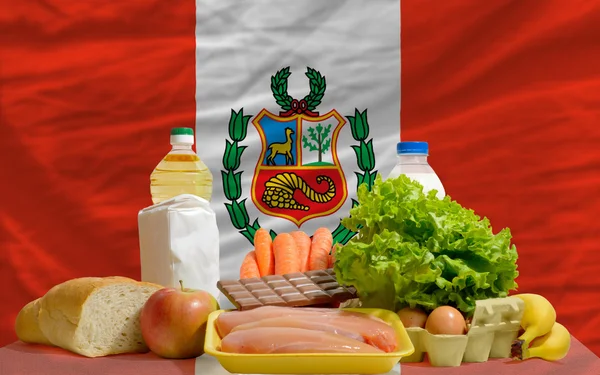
column 249, row 266
column 303, row 245
column 319, row 250
column 263, row 245
column 332, row 255
column 286, row 254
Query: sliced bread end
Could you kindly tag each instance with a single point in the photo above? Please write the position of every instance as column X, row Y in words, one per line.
column 110, row 320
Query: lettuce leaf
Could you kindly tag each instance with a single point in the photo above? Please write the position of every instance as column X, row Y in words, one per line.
column 413, row 249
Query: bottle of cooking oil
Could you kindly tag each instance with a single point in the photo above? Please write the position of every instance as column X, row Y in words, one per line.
column 181, row 171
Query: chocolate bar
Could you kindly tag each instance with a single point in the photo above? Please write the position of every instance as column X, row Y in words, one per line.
column 311, row 288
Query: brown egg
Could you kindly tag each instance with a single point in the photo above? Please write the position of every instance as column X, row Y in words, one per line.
column 412, row 317
column 446, row 320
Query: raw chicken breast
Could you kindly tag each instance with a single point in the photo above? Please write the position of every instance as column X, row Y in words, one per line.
column 304, row 323
column 275, row 340
column 228, row 320
column 360, row 328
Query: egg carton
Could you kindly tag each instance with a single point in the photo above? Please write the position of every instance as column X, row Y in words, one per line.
column 493, row 328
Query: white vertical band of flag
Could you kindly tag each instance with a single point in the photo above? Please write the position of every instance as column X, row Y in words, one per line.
column 241, row 45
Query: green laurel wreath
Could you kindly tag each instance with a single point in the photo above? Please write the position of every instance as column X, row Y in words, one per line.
column 232, row 180
column 279, row 87
column 365, row 158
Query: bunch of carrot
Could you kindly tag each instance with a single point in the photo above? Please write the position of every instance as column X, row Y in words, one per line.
column 288, row 253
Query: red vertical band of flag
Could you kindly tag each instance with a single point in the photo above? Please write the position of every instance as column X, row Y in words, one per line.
column 506, row 93
column 89, row 93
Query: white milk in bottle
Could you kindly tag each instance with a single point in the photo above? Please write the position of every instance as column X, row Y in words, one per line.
column 412, row 162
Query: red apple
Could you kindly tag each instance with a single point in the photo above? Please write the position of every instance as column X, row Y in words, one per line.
column 173, row 321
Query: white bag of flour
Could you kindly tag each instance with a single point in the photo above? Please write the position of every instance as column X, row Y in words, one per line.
column 179, row 240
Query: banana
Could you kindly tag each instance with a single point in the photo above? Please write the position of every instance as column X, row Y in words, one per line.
column 538, row 318
column 552, row 346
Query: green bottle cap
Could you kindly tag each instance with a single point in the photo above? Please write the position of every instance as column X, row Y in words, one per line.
column 182, row 131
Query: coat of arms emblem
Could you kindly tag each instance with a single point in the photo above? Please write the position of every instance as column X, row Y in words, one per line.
column 298, row 175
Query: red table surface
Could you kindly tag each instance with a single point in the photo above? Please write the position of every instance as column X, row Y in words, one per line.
column 22, row 359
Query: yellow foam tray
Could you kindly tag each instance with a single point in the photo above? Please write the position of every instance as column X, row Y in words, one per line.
column 494, row 326
column 312, row 363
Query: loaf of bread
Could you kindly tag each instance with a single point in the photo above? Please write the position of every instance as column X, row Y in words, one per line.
column 91, row 316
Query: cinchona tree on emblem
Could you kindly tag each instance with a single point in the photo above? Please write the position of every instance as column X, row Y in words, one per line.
column 298, row 175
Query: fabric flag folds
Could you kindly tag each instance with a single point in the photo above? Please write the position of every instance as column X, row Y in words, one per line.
column 297, row 103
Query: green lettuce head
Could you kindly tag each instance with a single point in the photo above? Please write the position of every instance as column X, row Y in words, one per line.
column 413, row 249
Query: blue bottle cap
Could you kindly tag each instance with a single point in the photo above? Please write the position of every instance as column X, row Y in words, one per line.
column 416, row 148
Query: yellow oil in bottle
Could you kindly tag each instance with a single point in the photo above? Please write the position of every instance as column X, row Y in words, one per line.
column 181, row 171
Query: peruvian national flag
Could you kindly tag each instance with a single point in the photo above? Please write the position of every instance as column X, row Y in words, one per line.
column 295, row 103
